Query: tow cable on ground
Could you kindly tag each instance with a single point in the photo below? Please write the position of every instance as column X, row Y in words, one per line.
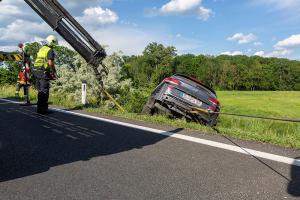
column 196, row 110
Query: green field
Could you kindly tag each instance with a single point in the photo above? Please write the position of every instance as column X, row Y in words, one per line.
column 269, row 104
column 260, row 103
column 266, row 103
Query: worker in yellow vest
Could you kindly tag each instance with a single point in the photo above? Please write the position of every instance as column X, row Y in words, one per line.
column 44, row 71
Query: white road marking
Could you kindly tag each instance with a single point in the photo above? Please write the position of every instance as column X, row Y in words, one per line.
column 72, row 137
column 97, row 132
column 54, row 123
column 25, row 112
column 250, row 152
column 44, row 120
column 84, row 134
column 67, row 123
column 9, row 101
column 56, row 131
column 5, row 103
column 70, row 129
column 83, row 128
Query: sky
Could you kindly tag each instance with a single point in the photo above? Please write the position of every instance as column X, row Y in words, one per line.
column 268, row 28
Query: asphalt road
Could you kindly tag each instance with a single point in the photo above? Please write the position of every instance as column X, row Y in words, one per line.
column 62, row 156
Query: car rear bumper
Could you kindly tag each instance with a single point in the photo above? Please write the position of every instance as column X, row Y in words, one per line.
column 184, row 108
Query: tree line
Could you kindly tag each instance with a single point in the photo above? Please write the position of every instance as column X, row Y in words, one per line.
column 219, row 72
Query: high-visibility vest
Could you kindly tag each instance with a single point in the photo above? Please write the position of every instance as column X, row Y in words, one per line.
column 42, row 58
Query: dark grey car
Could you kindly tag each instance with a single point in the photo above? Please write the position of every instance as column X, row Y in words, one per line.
column 183, row 96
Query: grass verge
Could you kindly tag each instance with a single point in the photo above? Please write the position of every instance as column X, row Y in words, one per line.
column 269, row 104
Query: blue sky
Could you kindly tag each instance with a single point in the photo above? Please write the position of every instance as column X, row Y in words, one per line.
column 251, row 27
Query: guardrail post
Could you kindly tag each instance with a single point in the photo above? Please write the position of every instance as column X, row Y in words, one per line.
column 83, row 94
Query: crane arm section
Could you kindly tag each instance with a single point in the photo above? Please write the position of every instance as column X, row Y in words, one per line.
column 60, row 20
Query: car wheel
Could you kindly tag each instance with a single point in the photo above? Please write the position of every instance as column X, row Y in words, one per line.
column 213, row 123
column 147, row 110
column 161, row 109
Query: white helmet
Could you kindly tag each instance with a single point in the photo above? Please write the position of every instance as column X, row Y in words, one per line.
column 52, row 40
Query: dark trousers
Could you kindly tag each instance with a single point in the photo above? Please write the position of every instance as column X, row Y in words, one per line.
column 18, row 88
column 26, row 91
column 43, row 86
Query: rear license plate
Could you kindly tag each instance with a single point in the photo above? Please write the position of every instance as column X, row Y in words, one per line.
column 191, row 99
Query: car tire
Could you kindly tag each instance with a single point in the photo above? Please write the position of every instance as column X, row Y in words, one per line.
column 213, row 123
column 161, row 109
column 147, row 110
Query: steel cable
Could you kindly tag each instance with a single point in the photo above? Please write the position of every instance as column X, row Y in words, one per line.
column 197, row 110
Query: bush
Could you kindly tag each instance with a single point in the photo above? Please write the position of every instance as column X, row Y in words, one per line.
column 135, row 100
column 69, row 81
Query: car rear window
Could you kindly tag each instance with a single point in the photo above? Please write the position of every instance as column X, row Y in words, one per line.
column 195, row 85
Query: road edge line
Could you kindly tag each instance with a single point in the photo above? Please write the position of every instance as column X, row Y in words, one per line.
column 250, row 152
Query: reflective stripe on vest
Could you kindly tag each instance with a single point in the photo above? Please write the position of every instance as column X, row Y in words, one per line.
column 42, row 58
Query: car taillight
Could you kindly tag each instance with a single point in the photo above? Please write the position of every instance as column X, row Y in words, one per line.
column 172, row 81
column 212, row 108
column 214, row 101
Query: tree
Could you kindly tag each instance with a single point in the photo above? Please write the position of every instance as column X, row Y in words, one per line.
column 158, row 62
column 151, row 67
column 65, row 56
column 69, row 81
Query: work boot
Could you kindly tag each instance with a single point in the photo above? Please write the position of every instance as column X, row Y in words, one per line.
column 41, row 110
column 44, row 111
column 27, row 99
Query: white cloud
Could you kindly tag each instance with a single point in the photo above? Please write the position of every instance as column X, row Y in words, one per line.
column 283, row 48
column 129, row 38
column 204, row 13
column 257, row 43
column 180, row 6
column 186, row 7
column 65, row 44
column 278, row 4
column 280, row 53
column 132, row 41
column 9, row 48
column 22, row 30
column 289, row 9
column 288, row 43
column 259, row 53
column 82, row 4
column 10, row 10
column 242, row 38
column 276, row 53
column 234, row 53
column 98, row 16
column 128, row 23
